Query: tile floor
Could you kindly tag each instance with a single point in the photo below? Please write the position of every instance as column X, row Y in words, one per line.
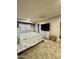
column 44, row 50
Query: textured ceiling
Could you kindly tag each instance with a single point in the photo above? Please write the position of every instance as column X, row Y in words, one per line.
column 37, row 10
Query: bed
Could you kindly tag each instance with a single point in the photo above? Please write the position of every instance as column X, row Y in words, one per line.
column 27, row 40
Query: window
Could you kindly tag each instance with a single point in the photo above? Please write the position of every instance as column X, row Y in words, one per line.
column 24, row 27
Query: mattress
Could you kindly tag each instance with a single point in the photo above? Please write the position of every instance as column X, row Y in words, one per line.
column 27, row 40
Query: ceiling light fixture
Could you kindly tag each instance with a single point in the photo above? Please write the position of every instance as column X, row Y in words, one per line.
column 28, row 19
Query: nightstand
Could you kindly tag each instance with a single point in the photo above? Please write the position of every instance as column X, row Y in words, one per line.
column 53, row 38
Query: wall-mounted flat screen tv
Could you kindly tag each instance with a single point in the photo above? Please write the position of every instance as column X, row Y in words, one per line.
column 45, row 27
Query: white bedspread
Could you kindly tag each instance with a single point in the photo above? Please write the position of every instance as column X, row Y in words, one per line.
column 28, row 39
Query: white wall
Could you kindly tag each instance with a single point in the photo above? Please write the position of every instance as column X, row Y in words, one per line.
column 54, row 26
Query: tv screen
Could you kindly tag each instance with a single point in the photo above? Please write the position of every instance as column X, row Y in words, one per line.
column 45, row 27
